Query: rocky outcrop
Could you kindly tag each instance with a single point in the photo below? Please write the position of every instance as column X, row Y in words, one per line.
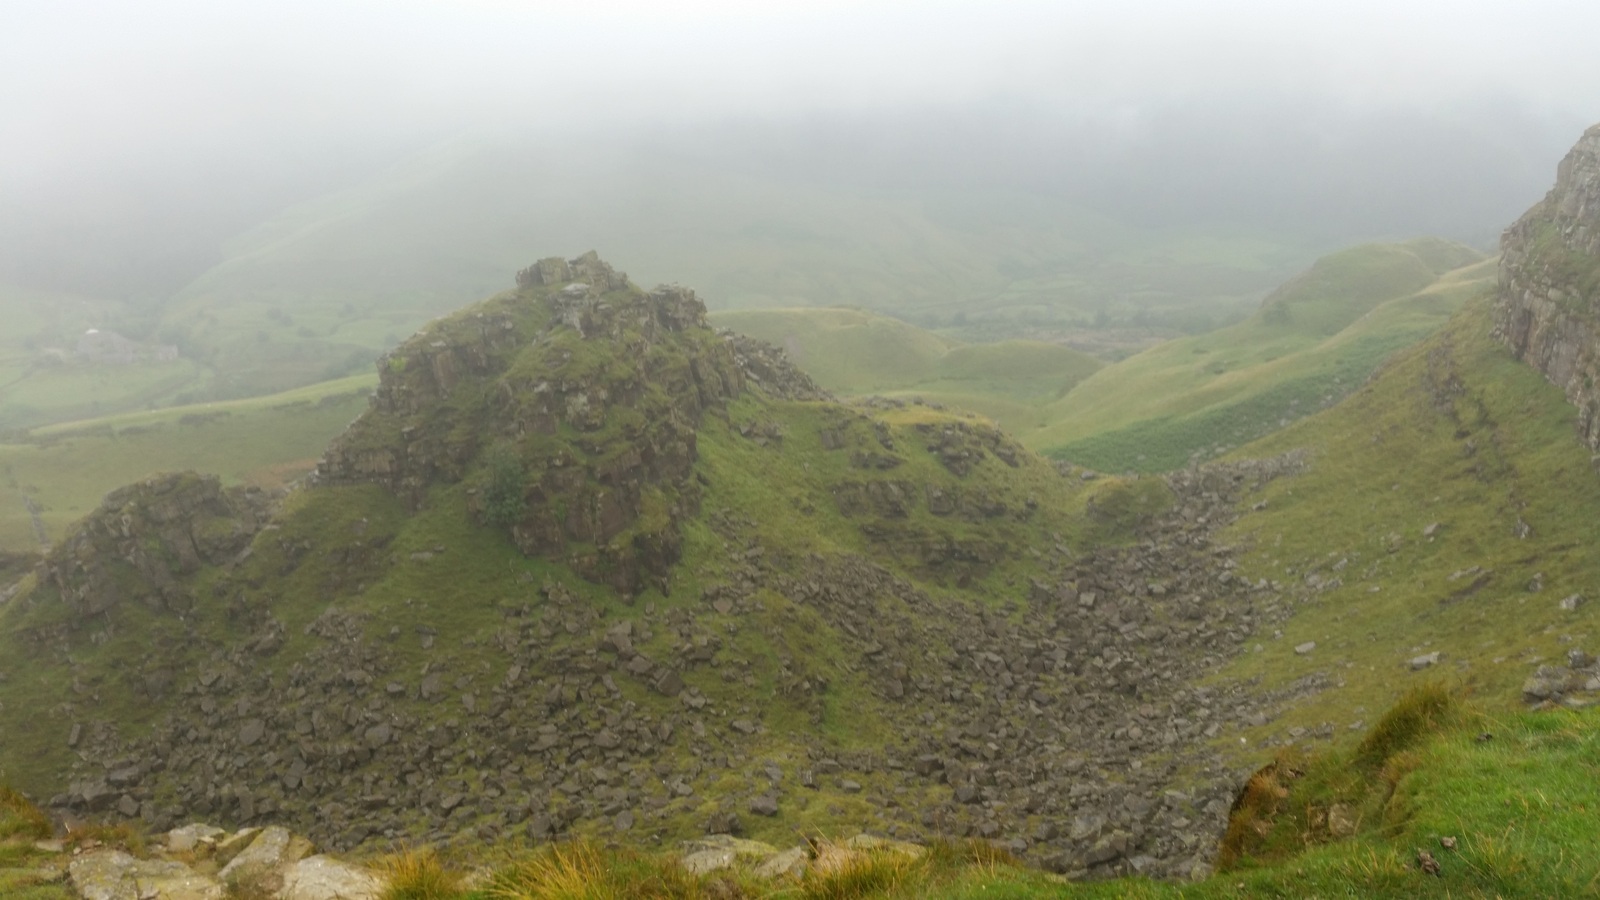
column 572, row 403
column 999, row 676
column 1056, row 723
column 1548, row 309
column 199, row 862
column 145, row 538
column 769, row 369
column 109, row 874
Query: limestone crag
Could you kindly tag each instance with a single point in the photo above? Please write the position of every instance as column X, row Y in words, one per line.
column 575, row 400
column 769, row 368
column 145, row 538
column 1548, row 308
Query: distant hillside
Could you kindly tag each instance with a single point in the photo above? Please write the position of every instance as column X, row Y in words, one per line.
column 1439, row 532
column 853, row 352
column 52, row 476
column 49, row 373
column 302, row 295
column 1313, row 340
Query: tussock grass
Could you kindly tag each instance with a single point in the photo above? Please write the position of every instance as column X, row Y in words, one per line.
column 582, row 871
column 418, row 874
column 21, row 818
column 845, row 874
column 1420, row 712
column 1314, row 340
column 121, row 834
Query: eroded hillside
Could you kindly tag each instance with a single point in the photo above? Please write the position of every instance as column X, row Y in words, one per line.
column 588, row 567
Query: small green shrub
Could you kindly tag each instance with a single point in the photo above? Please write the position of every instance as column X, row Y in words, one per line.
column 505, row 491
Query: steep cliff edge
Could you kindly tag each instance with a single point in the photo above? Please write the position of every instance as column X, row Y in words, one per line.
column 1548, row 311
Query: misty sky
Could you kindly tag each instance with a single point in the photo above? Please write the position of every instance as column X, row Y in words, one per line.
column 110, row 83
column 138, row 136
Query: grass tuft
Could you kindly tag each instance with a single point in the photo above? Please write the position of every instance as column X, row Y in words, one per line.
column 842, row 873
column 418, row 874
column 122, row 834
column 583, row 871
column 1420, row 712
column 19, row 817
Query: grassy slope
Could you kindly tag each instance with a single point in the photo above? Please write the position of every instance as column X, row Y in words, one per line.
column 26, row 873
column 468, row 600
column 1455, row 432
column 65, row 469
column 1313, row 340
column 853, row 352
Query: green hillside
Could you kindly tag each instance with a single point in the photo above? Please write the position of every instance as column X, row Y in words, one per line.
column 1431, row 530
column 848, row 351
column 588, row 568
column 854, row 353
column 1445, row 509
column 1315, row 339
column 52, row 476
column 303, row 295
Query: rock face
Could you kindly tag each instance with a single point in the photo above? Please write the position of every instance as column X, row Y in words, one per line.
column 266, row 863
column 1548, row 310
column 573, row 403
column 325, row 878
column 146, row 537
column 108, row 874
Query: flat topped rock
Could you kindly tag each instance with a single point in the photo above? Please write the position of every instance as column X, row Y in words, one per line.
column 325, row 878
column 114, row 875
column 190, row 837
column 721, row 851
column 273, row 849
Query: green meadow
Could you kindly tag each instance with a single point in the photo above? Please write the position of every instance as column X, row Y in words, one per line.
column 1312, row 342
column 55, row 475
column 855, row 353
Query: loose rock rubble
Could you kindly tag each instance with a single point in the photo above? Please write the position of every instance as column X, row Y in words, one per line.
column 1060, row 712
column 199, row 862
column 1061, row 726
column 1575, row 684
